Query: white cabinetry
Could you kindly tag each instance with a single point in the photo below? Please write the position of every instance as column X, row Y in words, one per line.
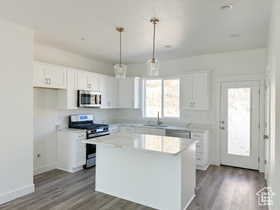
column 88, row 81
column 116, row 93
column 49, row 76
column 129, row 93
column 67, row 99
column 201, row 136
column 195, row 91
column 202, row 159
column 108, row 89
column 143, row 130
column 71, row 152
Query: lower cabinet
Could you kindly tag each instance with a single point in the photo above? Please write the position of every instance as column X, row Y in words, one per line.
column 202, row 157
column 71, row 152
column 143, row 130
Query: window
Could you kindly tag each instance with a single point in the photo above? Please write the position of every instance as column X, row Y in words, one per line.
column 163, row 97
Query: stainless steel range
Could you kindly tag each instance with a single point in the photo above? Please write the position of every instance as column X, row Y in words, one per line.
column 93, row 130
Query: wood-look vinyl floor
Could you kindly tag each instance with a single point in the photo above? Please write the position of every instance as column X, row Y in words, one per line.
column 218, row 188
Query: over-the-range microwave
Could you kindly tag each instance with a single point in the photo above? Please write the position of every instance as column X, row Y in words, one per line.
column 90, row 99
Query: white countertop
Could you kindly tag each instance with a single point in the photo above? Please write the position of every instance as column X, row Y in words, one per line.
column 191, row 127
column 161, row 144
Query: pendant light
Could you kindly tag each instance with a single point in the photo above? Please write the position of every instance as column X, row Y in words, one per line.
column 153, row 64
column 120, row 69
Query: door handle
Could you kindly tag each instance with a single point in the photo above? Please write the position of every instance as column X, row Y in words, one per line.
column 222, row 125
column 266, row 137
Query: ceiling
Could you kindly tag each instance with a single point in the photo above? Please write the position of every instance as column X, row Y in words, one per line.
column 190, row 27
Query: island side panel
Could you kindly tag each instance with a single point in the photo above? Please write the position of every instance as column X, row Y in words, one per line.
column 148, row 178
column 188, row 175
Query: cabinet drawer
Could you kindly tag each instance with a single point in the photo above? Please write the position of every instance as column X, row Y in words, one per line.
column 199, row 147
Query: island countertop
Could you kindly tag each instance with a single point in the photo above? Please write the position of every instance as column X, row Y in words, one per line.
column 153, row 143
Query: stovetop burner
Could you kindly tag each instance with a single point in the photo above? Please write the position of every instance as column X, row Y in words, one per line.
column 88, row 126
column 86, row 122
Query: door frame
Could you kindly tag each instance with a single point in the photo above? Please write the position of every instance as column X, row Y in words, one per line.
column 267, row 133
column 241, row 78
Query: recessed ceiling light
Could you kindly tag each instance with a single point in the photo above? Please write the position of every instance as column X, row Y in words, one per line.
column 234, row 35
column 226, row 6
column 168, row 46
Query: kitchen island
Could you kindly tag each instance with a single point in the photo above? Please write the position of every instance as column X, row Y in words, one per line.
column 156, row 171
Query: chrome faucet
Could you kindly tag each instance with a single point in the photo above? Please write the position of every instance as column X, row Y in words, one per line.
column 158, row 119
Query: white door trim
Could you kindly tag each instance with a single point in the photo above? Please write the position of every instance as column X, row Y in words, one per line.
column 238, row 78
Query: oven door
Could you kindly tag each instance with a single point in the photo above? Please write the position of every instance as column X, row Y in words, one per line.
column 88, row 99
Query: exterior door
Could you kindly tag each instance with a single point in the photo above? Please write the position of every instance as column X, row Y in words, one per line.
column 239, row 124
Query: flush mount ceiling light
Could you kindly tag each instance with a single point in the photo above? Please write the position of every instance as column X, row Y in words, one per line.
column 226, row 6
column 120, row 69
column 153, row 64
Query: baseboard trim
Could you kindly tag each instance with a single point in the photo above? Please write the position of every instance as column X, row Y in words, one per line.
column 202, row 167
column 45, row 168
column 6, row 197
column 71, row 170
column 189, row 202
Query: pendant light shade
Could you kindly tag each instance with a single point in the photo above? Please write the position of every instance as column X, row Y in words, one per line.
column 120, row 68
column 120, row 71
column 153, row 64
column 153, row 67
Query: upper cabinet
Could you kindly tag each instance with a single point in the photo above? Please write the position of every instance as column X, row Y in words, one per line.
column 195, row 91
column 67, row 99
column 88, row 81
column 129, row 93
column 49, row 76
column 108, row 89
column 115, row 93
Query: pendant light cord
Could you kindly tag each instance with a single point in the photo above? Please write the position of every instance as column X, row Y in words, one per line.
column 154, row 41
column 120, row 48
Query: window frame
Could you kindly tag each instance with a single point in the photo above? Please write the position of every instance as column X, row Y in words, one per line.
column 162, row 97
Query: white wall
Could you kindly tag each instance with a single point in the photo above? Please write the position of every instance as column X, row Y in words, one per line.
column 274, row 76
column 54, row 55
column 46, row 114
column 16, row 136
column 230, row 64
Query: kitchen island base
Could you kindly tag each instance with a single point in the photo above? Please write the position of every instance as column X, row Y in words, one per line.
column 157, row 180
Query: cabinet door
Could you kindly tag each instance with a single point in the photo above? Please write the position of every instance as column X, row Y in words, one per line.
column 57, row 75
column 126, row 93
column 80, row 153
column 72, row 87
column 49, row 76
column 141, row 130
column 93, row 80
column 157, row 131
column 39, row 77
column 82, row 77
column 187, row 91
column 104, row 89
column 200, row 91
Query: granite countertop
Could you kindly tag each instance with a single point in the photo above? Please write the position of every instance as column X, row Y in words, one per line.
column 152, row 143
